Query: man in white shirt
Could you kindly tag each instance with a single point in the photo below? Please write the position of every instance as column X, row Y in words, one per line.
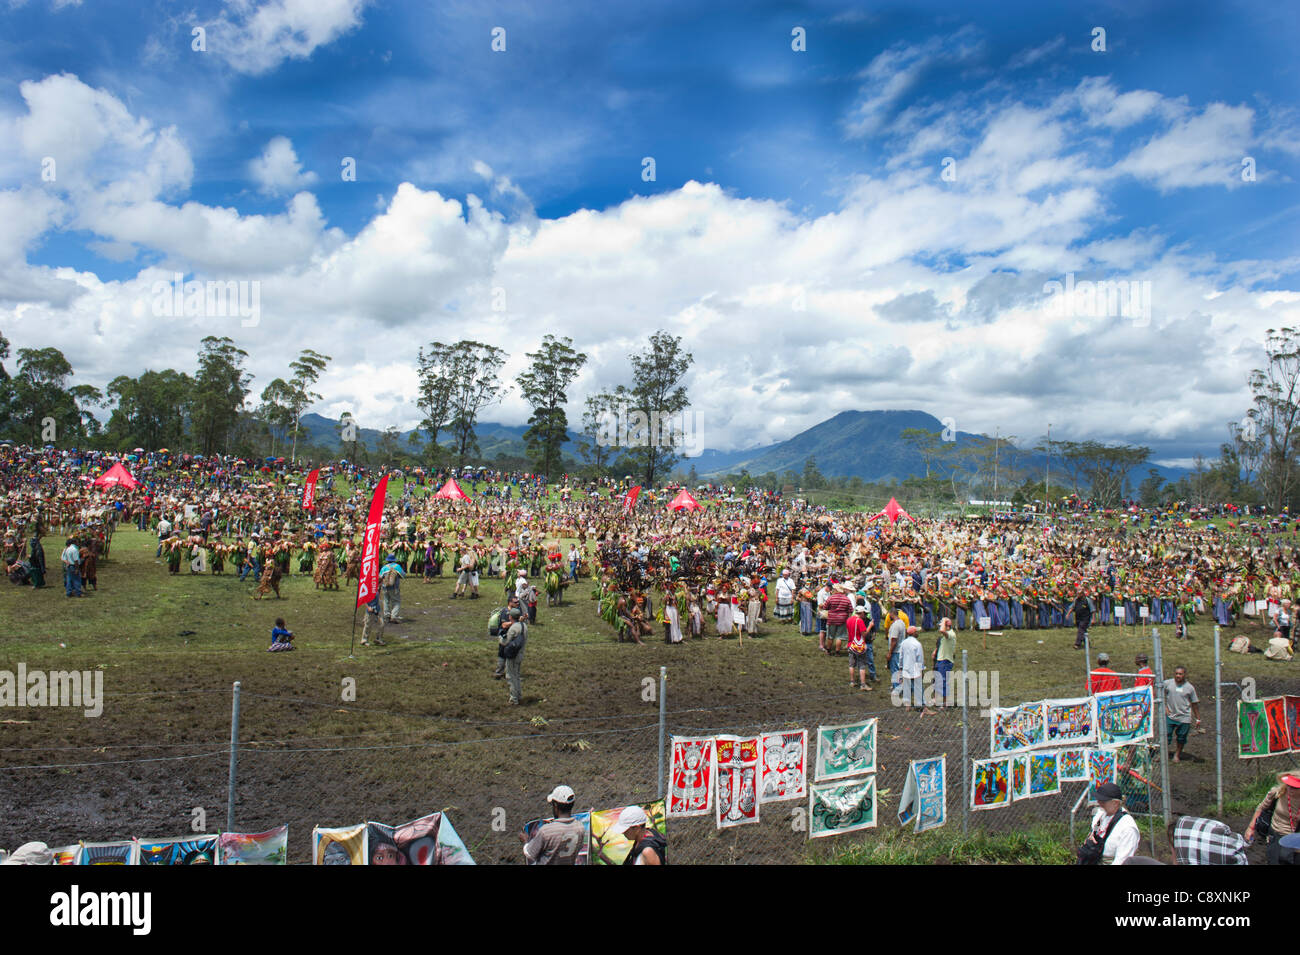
column 912, row 660
column 785, row 591
column 71, row 558
column 164, row 532
column 1123, row 837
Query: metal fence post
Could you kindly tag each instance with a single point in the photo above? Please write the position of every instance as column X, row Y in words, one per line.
column 1161, row 731
column 965, row 746
column 1087, row 663
column 663, row 723
column 1218, row 722
column 234, row 760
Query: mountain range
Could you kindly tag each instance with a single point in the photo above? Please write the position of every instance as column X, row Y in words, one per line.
column 865, row 444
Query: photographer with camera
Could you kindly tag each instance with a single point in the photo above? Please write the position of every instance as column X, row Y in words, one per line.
column 1115, row 836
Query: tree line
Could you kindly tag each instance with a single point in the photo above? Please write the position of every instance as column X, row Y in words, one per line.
column 210, row 410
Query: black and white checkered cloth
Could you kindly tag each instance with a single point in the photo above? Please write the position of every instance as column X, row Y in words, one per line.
column 1200, row 841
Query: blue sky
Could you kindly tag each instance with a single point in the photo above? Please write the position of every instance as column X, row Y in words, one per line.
column 1115, row 165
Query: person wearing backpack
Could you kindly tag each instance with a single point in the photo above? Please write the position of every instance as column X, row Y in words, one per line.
column 512, row 649
column 390, row 587
column 1115, row 836
column 498, row 624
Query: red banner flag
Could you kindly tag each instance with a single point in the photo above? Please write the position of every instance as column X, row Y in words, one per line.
column 368, row 586
column 309, row 492
column 629, row 499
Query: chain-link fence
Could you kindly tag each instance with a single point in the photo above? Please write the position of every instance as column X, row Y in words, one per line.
column 490, row 778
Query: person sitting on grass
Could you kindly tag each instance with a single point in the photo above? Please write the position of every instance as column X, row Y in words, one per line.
column 281, row 639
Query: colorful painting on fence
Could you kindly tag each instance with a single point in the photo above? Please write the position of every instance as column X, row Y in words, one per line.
column 1072, row 765
column 1101, row 769
column 1016, row 728
column 1044, row 775
column 1279, row 739
column 1292, row 709
column 1135, row 775
column 690, row 781
column 107, row 853
column 1019, row 776
column 737, row 767
column 1071, row 722
column 785, row 766
column 254, row 848
column 66, row 855
column 1252, row 729
column 1124, row 716
column 412, row 843
column 345, row 845
column 584, row 852
column 846, row 750
column 925, row 794
column 451, row 847
column 840, row 807
column 610, row 848
column 200, row 850
column 990, row 786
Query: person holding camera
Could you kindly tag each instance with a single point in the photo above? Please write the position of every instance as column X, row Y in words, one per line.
column 512, row 650
column 1115, row 836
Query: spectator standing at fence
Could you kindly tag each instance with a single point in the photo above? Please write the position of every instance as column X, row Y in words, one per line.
column 1145, row 675
column 559, row 840
column 1277, row 815
column 1181, row 707
column 1103, row 678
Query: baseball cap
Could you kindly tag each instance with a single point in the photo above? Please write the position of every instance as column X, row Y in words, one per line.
column 1292, row 780
column 630, row 817
column 1103, row 658
column 516, row 612
column 1108, row 791
column 562, row 794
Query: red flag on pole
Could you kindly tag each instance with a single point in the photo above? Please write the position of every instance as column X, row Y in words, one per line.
column 309, row 492
column 368, row 585
column 629, row 499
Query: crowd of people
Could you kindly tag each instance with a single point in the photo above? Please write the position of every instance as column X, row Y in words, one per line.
column 738, row 563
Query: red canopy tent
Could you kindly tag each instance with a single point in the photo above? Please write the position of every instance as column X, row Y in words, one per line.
column 683, row 502
column 117, row 476
column 451, row 491
column 891, row 511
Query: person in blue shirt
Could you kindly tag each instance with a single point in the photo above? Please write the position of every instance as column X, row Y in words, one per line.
column 281, row 639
